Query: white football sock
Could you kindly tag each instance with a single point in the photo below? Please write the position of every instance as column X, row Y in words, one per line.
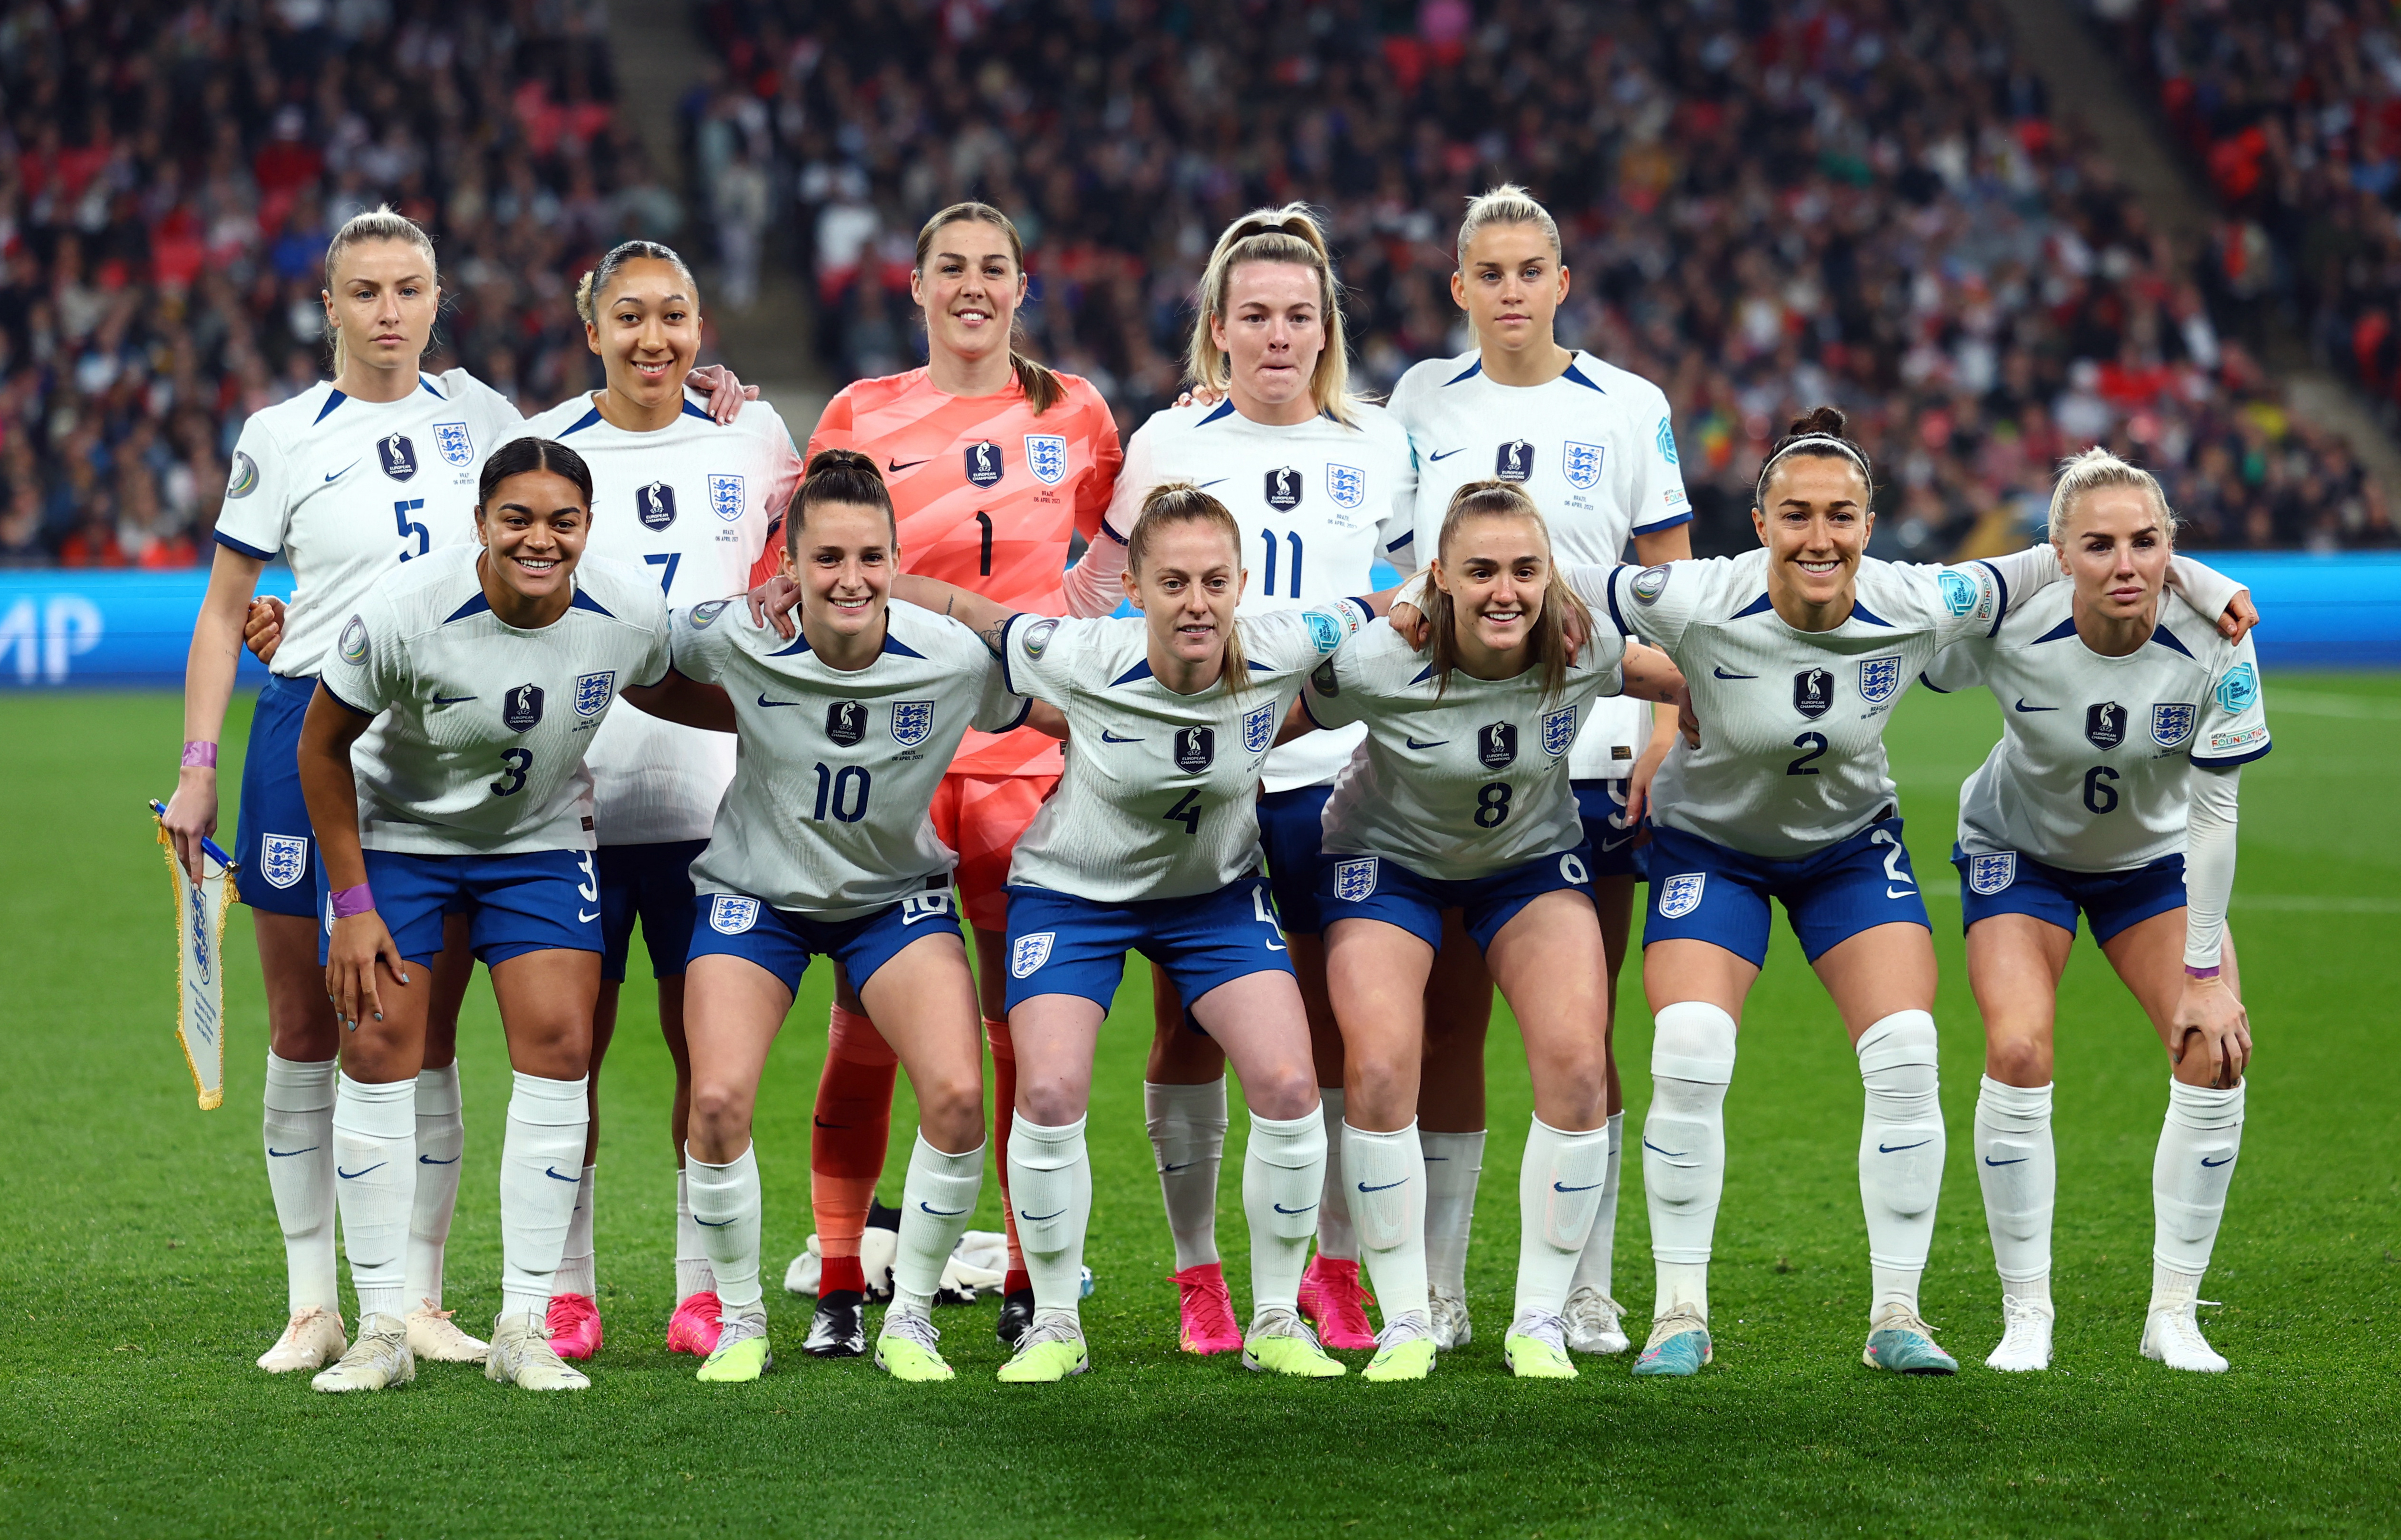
column 2020, row 1177
column 1188, row 1136
column 935, row 1202
column 374, row 1162
column 1051, row 1185
column 1900, row 1154
column 725, row 1209
column 2189, row 1175
column 1335, row 1236
column 441, row 1140
column 577, row 1274
column 1558, row 1187
column 1389, row 1176
column 1683, row 1147
column 541, row 1166
column 1453, row 1162
column 1593, row 1269
column 692, row 1269
column 1283, row 1186
column 299, row 1141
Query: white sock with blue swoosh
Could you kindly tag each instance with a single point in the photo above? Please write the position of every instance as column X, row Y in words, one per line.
column 2019, row 1173
column 1684, row 1148
column 2189, row 1175
column 1558, row 1189
column 541, row 1166
column 1387, row 1179
column 1900, row 1154
column 1283, row 1183
column 1050, row 1183
column 936, row 1203
column 440, row 1142
column 1594, row 1268
column 299, row 1129
column 375, row 1170
column 726, row 1209
column 1188, row 1140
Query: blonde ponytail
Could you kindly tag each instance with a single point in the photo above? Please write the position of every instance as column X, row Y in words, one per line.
column 382, row 223
column 1290, row 233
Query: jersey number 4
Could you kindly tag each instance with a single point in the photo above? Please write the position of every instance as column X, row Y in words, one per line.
column 1187, row 812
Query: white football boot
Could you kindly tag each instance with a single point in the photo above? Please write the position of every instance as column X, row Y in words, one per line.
column 521, row 1356
column 1451, row 1327
column 2025, row 1338
column 379, row 1360
column 434, row 1337
column 1593, row 1322
column 311, row 1340
column 2173, row 1337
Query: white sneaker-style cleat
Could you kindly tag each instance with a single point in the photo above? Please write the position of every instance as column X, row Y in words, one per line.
column 2025, row 1338
column 436, row 1339
column 521, row 1356
column 379, row 1360
column 311, row 1340
column 1594, row 1324
column 2173, row 1337
column 1451, row 1327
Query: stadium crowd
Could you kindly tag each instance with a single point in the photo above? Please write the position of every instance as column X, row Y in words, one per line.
column 1867, row 201
column 169, row 175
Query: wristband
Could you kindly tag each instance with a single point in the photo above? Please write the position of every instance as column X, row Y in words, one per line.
column 2192, row 972
column 199, row 754
column 353, row 901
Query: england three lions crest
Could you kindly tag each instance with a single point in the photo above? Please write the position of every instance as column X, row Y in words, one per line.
column 1559, row 731
column 1991, row 874
column 725, row 499
column 1046, row 456
column 1879, row 679
column 2173, row 722
column 1581, row 463
column 1258, row 729
column 594, row 691
column 1347, row 485
column 1354, row 881
column 1027, row 954
column 283, row 858
column 1679, row 895
column 731, row 915
column 912, row 722
column 453, row 443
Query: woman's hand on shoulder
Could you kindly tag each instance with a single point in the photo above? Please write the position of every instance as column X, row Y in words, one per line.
column 771, row 603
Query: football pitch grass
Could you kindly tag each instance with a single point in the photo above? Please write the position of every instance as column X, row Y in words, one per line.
column 140, row 1268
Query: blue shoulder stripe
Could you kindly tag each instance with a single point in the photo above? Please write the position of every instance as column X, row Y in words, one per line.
column 691, row 410
column 478, row 605
column 2160, row 634
column 1138, row 672
column 333, row 399
column 583, row 600
column 586, row 420
column 2060, row 632
column 895, row 647
column 1225, row 409
column 799, row 643
column 430, row 389
column 1759, row 605
column 1860, row 612
column 1469, row 373
column 1582, row 378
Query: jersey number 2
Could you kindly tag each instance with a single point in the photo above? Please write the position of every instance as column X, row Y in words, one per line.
column 1816, row 744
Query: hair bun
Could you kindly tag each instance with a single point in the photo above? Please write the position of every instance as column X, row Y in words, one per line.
column 1828, row 421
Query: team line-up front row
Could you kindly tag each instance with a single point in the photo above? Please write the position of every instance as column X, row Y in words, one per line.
column 442, row 760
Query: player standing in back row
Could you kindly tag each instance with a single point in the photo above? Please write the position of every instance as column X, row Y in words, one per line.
column 1592, row 446
column 994, row 461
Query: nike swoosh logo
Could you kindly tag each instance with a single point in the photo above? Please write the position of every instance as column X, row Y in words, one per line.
column 2024, row 707
column 764, row 701
column 281, row 1153
column 1280, row 1209
column 428, row 1160
column 450, row 700
column 1719, row 671
column 822, row 1123
column 582, row 918
column 713, row 1224
column 1037, row 1219
column 1219, row 482
column 941, row 1213
column 1364, row 1188
column 370, row 1267
column 343, row 472
column 1671, row 1154
column 1432, row 743
column 2020, row 1160
column 553, row 1174
column 894, row 467
column 352, row 1175
column 1894, row 1150
column 1900, row 892
column 1107, row 736
column 2208, row 1164
column 1561, row 1187
column 1186, row 1167
column 1608, row 845
column 1446, row 454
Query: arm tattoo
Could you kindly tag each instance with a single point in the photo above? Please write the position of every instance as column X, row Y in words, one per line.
column 993, row 635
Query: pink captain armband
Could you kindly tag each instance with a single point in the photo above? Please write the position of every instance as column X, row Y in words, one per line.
column 353, row 901
column 199, row 754
column 2192, row 972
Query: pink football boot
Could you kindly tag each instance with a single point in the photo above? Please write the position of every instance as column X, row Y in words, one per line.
column 574, row 1325
column 692, row 1327
column 1331, row 1296
column 1208, row 1310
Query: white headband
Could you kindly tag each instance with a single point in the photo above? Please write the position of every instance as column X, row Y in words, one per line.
column 1813, row 441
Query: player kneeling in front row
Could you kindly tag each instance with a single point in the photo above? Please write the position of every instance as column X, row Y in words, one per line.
column 1152, row 843
column 1461, row 797
column 2112, row 793
column 825, row 843
column 472, row 682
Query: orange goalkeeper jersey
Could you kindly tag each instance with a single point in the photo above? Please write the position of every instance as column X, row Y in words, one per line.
column 987, row 494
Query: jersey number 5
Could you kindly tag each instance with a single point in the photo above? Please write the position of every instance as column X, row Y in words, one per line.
column 400, row 509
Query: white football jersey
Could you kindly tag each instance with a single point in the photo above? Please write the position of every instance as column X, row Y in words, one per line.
column 1320, row 505
column 1159, row 798
column 1462, row 781
column 2091, row 772
column 480, row 731
column 346, row 490
column 690, row 504
column 828, row 813
column 1594, row 451
column 1792, row 757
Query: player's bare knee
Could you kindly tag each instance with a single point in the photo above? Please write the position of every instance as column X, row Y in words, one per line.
column 1286, row 1091
column 2018, row 1059
column 950, row 1107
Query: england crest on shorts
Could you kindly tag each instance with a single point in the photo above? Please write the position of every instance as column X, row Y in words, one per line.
column 1991, row 874
column 1347, row 485
column 283, row 859
column 1258, row 729
column 594, row 691
column 1046, row 456
column 451, row 440
column 1679, row 895
column 1029, row 953
column 1581, row 463
column 1354, row 881
column 731, row 913
column 2172, row 722
column 1879, row 679
column 1559, row 731
column 912, row 722
column 725, row 497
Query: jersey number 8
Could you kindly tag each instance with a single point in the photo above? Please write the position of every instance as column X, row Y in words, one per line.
column 1492, row 803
